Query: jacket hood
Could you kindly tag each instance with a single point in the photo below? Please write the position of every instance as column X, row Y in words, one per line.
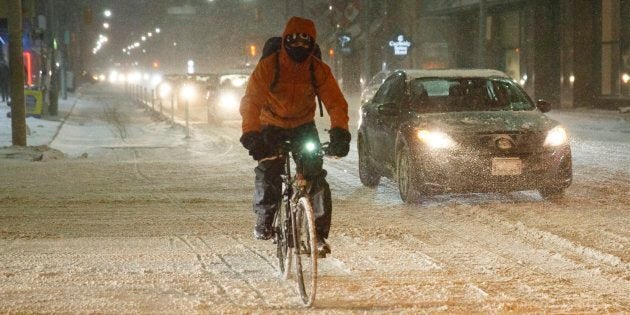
column 300, row 25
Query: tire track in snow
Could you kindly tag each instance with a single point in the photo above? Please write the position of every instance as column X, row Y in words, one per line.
column 450, row 267
column 205, row 267
column 528, row 233
column 239, row 242
column 553, row 242
column 544, row 264
column 486, row 247
column 286, row 285
column 237, row 273
column 141, row 175
column 221, row 289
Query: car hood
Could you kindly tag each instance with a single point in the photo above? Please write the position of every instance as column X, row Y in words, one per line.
column 488, row 121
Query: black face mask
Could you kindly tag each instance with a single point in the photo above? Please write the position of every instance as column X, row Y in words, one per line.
column 298, row 54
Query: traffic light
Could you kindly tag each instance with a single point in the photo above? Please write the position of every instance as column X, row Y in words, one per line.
column 252, row 50
column 331, row 52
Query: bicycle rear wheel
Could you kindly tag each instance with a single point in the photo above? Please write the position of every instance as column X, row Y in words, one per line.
column 305, row 250
column 284, row 251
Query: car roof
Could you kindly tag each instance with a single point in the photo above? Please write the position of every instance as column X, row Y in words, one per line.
column 236, row 71
column 450, row 73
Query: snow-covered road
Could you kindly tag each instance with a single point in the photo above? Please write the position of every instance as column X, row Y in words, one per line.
column 137, row 219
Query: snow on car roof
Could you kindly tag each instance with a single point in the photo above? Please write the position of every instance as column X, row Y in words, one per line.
column 446, row 73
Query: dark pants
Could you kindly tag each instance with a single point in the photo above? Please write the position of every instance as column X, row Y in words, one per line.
column 268, row 183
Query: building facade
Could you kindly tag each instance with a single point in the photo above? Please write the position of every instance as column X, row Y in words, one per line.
column 573, row 53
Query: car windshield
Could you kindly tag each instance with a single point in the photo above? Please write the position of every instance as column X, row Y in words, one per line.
column 233, row 80
column 467, row 94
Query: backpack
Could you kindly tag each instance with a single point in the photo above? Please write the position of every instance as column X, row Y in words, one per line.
column 274, row 44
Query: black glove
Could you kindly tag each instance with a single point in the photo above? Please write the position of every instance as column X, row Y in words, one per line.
column 253, row 141
column 339, row 142
column 273, row 136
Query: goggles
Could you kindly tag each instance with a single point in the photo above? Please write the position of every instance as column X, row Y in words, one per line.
column 299, row 40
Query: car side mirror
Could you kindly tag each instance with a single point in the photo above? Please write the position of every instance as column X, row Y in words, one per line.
column 388, row 109
column 543, row 105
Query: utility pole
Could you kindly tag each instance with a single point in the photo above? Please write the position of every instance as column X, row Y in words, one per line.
column 16, row 67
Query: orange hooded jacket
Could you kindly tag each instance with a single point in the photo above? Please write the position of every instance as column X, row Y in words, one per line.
column 292, row 102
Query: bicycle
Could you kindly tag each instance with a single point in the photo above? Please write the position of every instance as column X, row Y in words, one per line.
column 294, row 222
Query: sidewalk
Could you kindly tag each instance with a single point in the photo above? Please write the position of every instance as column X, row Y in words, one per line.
column 39, row 134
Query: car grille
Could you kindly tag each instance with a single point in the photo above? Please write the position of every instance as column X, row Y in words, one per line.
column 500, row 144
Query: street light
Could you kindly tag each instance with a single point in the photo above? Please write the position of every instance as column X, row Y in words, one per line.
column 143, row 38
column 191, row 67
column 107, row 13
column 157, row 30
column 106, row 25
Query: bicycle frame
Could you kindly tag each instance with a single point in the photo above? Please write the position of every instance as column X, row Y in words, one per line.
column 295, row 187
column 294, row 222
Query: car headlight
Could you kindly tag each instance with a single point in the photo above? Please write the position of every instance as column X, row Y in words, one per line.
column 165, row 90
column 556, row 136
column 435, row 139
column 188, row 92
column 239, row 82
column 228, row 100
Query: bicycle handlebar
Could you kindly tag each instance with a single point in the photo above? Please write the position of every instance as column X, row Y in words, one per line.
column 286, row 147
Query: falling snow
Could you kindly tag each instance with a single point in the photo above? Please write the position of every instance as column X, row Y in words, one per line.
column 125, row 215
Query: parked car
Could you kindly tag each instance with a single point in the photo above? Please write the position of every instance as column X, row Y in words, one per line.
column 224, row 95
column 372, row 86
column 437, row 131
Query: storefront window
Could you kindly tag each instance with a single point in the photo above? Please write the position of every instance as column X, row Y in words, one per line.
column 611, row 63
column 509, row 32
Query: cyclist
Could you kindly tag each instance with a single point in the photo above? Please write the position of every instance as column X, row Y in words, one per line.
column 279, row 105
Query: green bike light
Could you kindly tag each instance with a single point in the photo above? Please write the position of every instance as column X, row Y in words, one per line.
column 310, row 146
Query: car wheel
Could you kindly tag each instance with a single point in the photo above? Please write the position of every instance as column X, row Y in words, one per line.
column 367, row 173
column 405, row 176
column 551, row 192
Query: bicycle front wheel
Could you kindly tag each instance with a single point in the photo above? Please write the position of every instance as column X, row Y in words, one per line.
column 282, row 238
column 305, row 250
